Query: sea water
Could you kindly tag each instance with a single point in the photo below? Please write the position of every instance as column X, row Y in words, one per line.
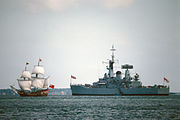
column 90, row 107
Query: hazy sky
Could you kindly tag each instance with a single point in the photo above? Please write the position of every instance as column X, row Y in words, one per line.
column 73, row 37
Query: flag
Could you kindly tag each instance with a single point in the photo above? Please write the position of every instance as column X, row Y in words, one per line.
column 40, row 59
column 73, row 77
column 51, row 86
column 166, row 80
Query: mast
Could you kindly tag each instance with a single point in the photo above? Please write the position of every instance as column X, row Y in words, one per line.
column 38, row 65
column 113, row 49
column 38, row 69
column 27, row 63
column 111, row 62
column 38, row 81
column 25, row 79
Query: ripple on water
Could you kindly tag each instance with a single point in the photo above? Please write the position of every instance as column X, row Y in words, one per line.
column 87, row 108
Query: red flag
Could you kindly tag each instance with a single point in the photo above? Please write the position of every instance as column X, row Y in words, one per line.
column 40, row 59
column 73, row 77
column 51, row 86
column 166, row 80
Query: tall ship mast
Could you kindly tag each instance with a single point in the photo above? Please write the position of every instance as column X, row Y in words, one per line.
column 34, row 84
column 123, row 84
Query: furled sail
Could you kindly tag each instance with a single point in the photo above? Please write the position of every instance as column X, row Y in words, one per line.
column 38, row 70
column 26, row 74
column 38, row 83
column 25, row 84
column 46, row 81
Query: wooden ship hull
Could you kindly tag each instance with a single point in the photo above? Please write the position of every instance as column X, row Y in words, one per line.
column 38, row 93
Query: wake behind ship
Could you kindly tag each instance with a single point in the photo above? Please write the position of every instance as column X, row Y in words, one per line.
column 34, row 84
column 121, row 84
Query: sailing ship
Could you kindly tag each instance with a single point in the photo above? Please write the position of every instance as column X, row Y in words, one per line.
column 34, row 84
column 122, row 84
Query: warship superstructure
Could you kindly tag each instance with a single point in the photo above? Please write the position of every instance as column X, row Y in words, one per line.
column 34, row 84
column 119, row 84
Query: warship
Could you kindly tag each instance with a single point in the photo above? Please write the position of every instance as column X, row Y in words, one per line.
column 34, row 84
column 119, row 83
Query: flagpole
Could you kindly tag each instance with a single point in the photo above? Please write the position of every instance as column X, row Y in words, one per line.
column 70, row 81
column 163, row 79
column 72, row 77
column 163, row 82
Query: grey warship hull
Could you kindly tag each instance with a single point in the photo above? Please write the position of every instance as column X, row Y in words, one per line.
column 80, row 90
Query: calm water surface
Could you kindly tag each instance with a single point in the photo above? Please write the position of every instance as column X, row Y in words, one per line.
column 90, row 108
